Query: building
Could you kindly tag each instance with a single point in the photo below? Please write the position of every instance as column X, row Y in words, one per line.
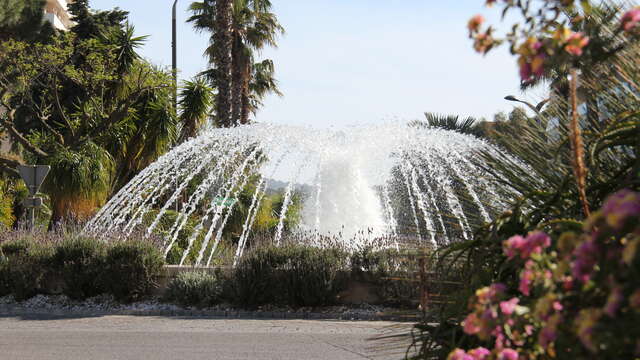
column 55, row 12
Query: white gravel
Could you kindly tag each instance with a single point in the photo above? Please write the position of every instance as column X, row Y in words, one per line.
column 107, row 305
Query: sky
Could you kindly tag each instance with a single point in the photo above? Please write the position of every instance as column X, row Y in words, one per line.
column 352, row 62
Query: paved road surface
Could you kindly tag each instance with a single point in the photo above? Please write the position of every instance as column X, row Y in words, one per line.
column 160, row 338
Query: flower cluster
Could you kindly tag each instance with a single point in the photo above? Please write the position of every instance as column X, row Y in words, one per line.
column 630, row 21
column 534, row 243
column 545, row 41
column 573, row 293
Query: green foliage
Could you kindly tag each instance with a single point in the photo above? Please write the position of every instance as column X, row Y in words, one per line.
column 577, row 296
column 292, row 274
column 449, row 122
column 7, row 217
column 88, row 105
column 392, row 271
column 24, row 268
column 91, row 23
column 84, row 266
column 22, row 19
column 195, row 288
column 131, row 269
column 80, row 261
column 196, row 101
column 542, row 169
column 253, row 27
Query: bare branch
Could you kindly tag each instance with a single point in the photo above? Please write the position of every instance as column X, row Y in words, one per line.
column 18, row 136
column 60, row 110
column 9, row 166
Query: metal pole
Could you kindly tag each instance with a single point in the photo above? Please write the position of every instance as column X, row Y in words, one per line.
column 32, row 220
column 174, row 49
column 32, row 212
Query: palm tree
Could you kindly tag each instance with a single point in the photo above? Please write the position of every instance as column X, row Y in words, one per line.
column 262, row 82
column 196, row 99
column 223, row 61
column 449, row 122
column 252, row 28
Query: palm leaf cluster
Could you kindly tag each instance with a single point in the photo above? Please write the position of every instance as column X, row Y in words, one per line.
column 245, row 81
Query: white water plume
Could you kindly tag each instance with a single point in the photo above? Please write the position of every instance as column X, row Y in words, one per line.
column 391, row 181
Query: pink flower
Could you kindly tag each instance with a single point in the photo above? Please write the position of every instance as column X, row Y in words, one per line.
column 557, row 306
column 630, row 19
column 534, row 243
column 471, row 324
column 526, row 278
column 475, row 23
column 513, row 245
column 575, row 43
column 508, row 307
column 459, row 354
column 484, row 42
column 508, row 354
column 528, row 329
column 621, row 206
column 585, row 260
column 480, row 353
column 490, row 293
column 547, row 336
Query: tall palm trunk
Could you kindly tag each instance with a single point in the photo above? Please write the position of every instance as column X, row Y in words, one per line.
column 246, row 105
column 236, row 92
column 223, row 43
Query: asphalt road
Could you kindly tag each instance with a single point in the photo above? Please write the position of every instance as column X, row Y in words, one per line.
column 160, row 338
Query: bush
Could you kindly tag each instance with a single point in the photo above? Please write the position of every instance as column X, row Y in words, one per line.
column 79, row 261
column 195, row 288
column 131, row 269
column 392, row 271
column 577, row 297
column 293, row 275
column 24, row 268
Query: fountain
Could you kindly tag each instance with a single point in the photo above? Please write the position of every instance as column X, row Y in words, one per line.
column 364, row 186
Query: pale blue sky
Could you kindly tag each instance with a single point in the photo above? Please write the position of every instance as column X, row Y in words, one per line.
column 346, row 62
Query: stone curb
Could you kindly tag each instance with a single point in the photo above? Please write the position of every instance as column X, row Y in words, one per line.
column 229, row 314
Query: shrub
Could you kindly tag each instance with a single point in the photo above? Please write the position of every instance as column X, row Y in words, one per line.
column 195, row 288
column 7, row 217
column 392, row 271
column 131, row 269
column 15, row 247
column 79, row 261
column 577, row 297
column 293, row 274
column 24, row 268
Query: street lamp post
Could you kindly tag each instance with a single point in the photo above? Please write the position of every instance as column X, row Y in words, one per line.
column 537, row 109
column 530, row 105
column 174, row 55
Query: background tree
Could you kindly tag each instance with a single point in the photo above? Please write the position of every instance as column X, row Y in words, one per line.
column 196, row 100
column 22, row 19
column 89, row 107
column 252, row 28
